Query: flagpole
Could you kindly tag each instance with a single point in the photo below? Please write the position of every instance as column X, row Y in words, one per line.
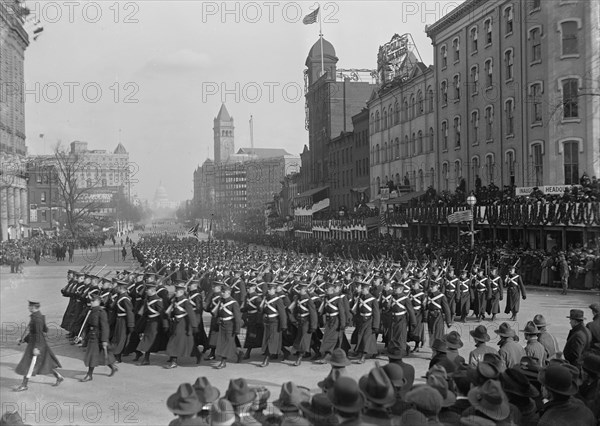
column 321, row 40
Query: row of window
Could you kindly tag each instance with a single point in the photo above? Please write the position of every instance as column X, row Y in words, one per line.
column 419, row 143
column 392, row 115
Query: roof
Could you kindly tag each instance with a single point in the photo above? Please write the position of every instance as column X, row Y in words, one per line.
column 311, row 192
column 120, row 149
column 405, row 198
column 223, row 114
column 264, row 152
column 465, row 8
column 314, row 54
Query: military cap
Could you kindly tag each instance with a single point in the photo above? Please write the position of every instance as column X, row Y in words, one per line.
column 34, row 304
column 180, row 285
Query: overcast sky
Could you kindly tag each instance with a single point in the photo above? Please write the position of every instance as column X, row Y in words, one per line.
column 161, row 67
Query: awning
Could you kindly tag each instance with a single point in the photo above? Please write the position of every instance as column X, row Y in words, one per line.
column 405, row 198
column 311, row 192
column 360, row 190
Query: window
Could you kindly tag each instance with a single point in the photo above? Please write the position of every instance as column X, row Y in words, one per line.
column 489, row 167
column 535, row 35
column 372, row 123
column 536, row 102
column 457, row 171
column 420, row 142
column 38, row 177
column 456, row 47
column 413, row 142
column 535, row 5
column 431, row 139
column 474, row 79
column 405, row 148
column 377, row 154
column 444, row 134
column 488, row 31
column 508, row 62
column 570, row 45
column 489, row 121
column 396, row 113
column 431, row 177
column 456, row 87
column 44, row 215
column 385, row 152
column 509, row 108
column 397, row 148
column 405, row 110
column 445, row 175
column 508, row 19
column 510, row 162
column 412, row 107
column 376, row 121
column 474, row 39
column 444, row 90
column 488, row 73
column 571, row 159
column 475, row 125
column 431, row 100
column 385, row 117
column 421, row 180
column 475, row 169
column 537, row 163
column 43, row 197
column 391, row 114
column 420, row 102
column 457, row 132
column 444, row 53
column 570, row 89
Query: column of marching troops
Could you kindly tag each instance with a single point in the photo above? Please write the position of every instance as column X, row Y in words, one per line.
column 283, row 300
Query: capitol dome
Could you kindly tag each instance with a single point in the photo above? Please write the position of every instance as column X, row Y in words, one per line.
column 161, row 194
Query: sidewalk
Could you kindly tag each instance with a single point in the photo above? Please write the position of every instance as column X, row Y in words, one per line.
column 543, row 289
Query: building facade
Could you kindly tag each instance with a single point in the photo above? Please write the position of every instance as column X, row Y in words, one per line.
column 45, row 207
column 341, row 171
column 223, row 129
column 13, row 181
column 517, row 93
column 361, row 154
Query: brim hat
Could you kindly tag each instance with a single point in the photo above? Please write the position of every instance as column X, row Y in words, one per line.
column 377, row 387
column 576, row 314
column 540, row 321
column 239, row 393
column 184, row 401
column 453, row 340
column 480, row 334
column 530, row 367
column 346, row 396
column 396, row 374
column 205, row 392
column 394, row 353
column 222, row 413
column 558, row 379
column 490, row 400
column 439, row 345
column 595, row 307
column 484, row 371
column 530, row 328
column 591, row 364
column 516, row 383
column 425, row 399
column 440, row 383
column 33, row 304
column 291, row 396
column 319, row 411
column 339, row 358
column 505, row 330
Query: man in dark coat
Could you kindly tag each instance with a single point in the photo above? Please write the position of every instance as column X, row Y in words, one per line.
column 304, row 315
column 183, row 326
column 200, row 339
column 479, row 286
column 229, row 320
column 450, row 290
column 252, row 317
column 153, row 337
column 38, row 357
column 578, row 340
column 438, row 312
column 124, row 321
column 464, row 295
column 366, row 312
column 275, row 322
column 594, row 327
column 334, row 318
column 211, row 302
column 97, row 336
column 403, row 318
column 515, row 290
column 547, row 340
column 495, row 293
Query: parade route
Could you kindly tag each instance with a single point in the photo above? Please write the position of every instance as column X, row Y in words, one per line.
column 137, row 394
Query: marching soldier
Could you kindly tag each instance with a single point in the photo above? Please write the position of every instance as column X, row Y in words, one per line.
column 366, row 311
column 124, row 321
column 334, row 317
column 212, row 300
column 480, row 291
column 495, row 293
column 38, row 357
column 200, row 338
column 463, row 298
column 385, row 300
column 97, row 337
column 275, row 322
column 417, row 298
column 183, row 326
column 304, row 314
column 253, row 319
column 514, row 291
column 153, row 337
column 229, row 320
column 450, row 288
column 437, row 312
column 402, row 319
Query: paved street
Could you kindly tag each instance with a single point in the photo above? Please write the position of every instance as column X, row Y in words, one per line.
column 138, row 394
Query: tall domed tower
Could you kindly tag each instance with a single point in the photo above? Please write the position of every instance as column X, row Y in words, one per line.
column 313, row 61
column 223, row 135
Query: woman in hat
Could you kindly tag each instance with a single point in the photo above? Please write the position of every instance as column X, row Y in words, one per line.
column 521, row 393
column 481, row 337
column 97, row 335
column 38, row 357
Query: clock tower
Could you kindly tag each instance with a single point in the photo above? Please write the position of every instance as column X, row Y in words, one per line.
column 223, row 136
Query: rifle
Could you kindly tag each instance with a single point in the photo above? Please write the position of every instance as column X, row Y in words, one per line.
column 78, row 338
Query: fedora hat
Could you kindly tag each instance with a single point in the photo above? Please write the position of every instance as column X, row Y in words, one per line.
column 345, row 395
column 595, row 307
column 576, row 314
column 394, row 353
column 530, row 328
column 205, row 392
column 516, row 383
column 480, row 334
column 575, row 373
column 440, row 383
column 505, row 331
column 339, row 358
column 490, row 400
column 396, row 374
column 453, row 340
column 483, row 372
column 530, row 367
column 425, row 399
column 222, row 413
column 494, row 359
column 184, row 401
column 377, row 387
column 328, row 382
column 558, row 379
column 291, row 396
column 239, row 393
column 439, row 345
column 319, row 410
column 540, row 321
column 591, row 364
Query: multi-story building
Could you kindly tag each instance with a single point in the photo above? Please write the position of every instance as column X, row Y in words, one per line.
column 45, row 205
column 204, row 189
column 361, row 155
column 402, row 123
column 13, row 182
column 517, row 93
column 341, row 171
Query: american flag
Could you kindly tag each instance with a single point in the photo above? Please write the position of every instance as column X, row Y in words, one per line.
column 382, row 219
column 311, row 18
column 461, row 216
column 194, row 230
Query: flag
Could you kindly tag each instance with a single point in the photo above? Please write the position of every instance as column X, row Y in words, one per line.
column 462, row 216
column 311, row 18
column 382, row 220
column 194, row 230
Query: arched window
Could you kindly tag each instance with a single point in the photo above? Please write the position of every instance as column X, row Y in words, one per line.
column 397, row 148
column 412, row 107
column 419, row 142
column 391, row 114
column 457, row 171
column 377, row 121
column 510, row 163
column 413, row 143
column 489, row 168
column 432, row 177
column 457, row 131
column 445, row 176
column 385, row 119
column 456, row 83
column 444, row 55
column 405, row 112
column 444, row 134
column 509, row 108
column 489, row 122
column 405, row 149
column 420, row 101
column 421, row 180
column 385, row 151
column 431, row 100
column 537, row 163
column 473, row 33
column 377, row 155
column 444, row 90
column 396, row 113
column 431, row 139
column 475, row 169
column 475, row 126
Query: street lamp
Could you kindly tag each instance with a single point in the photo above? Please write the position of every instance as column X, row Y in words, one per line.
column 471, row 201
